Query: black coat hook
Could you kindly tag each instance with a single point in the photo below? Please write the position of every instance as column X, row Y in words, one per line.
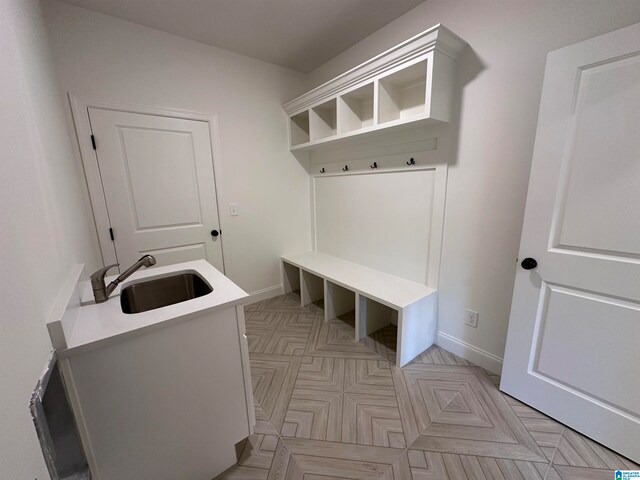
column 375, row 165
column 346, row 168
column 411, row 161
column 322, row 170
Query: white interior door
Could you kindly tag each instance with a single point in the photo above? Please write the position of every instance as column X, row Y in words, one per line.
column 573, row 347
column 158, row 181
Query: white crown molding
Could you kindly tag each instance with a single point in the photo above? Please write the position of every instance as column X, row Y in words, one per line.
column 438, row 38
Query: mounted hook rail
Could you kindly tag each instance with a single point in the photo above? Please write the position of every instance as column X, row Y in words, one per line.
column 411, row 161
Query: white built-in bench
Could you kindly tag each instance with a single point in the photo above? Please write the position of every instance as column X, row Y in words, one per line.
column 378, row 298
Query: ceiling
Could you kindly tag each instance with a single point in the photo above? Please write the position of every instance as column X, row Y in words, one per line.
column 297, row 34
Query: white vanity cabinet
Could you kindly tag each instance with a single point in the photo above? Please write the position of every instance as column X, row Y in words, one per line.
column 163, row 394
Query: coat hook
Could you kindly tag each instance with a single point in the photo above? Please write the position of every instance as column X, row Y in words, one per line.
column 375, row 165
column 322, row 170
column 346, row 168
column 411, row 161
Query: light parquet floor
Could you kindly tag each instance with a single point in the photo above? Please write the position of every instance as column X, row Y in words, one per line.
column 328, row 407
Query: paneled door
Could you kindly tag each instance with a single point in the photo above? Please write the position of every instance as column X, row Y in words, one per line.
column 158, row 180
column 573, row 347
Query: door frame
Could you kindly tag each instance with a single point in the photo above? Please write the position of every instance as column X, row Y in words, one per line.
column 82, row 123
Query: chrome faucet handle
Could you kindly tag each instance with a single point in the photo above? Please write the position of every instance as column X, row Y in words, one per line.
column 101, row 292
column 97, row 277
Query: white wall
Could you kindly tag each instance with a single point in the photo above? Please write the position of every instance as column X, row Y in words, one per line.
column 489, row 172
column 382, row 219
column 99, row 56
column 45, row 225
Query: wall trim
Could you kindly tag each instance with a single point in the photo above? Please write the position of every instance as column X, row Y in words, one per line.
column 438, row 38
column 430, row 154
column 469, row 352
column 265, row 294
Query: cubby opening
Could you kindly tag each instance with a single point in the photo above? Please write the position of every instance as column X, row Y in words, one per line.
column 290, row 278
column 299, row 125
column 355, row 109
column 311, row 289
column 323, row 121
column 339, row 303
column 403, row 93
column 372, row 316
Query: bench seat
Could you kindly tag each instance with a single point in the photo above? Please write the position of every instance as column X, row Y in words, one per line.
column 413, row 305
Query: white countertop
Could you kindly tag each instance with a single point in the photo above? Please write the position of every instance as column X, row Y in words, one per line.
column 100, row 324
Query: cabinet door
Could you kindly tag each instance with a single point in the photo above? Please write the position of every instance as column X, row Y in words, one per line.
column 167, row 404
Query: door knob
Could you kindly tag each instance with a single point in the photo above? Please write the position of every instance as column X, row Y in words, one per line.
column 529, row 263
column 215, row 233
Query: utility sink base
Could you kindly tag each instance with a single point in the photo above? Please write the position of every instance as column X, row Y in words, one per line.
column 164, row 394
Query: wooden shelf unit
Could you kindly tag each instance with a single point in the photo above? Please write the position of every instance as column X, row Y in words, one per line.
column 378, row 299
column 408, row 84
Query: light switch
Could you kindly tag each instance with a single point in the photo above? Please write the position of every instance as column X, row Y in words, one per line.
column 233, row 210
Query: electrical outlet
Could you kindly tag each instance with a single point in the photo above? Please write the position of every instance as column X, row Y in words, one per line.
column 471, row 318
column 233, row 210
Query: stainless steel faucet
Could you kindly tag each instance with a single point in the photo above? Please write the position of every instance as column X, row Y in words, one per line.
column 101, row 292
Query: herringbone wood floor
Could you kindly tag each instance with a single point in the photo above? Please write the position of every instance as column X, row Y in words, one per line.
column 330, row 408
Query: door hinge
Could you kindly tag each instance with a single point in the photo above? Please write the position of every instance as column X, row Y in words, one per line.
column 93, row 142
column 111, row 234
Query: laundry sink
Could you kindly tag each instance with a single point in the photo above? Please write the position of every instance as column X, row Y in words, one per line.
column 161, row 292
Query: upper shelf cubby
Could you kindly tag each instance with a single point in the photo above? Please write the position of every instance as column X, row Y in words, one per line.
column 410, row 84
column 355, row 109
column 299, row 128
column 323, row 120
column 403, row 94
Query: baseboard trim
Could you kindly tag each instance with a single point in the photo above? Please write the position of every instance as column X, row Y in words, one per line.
column 476, row 355
column 265, row 293
column 484, row 359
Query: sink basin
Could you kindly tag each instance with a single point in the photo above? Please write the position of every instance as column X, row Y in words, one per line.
column 161, row 292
